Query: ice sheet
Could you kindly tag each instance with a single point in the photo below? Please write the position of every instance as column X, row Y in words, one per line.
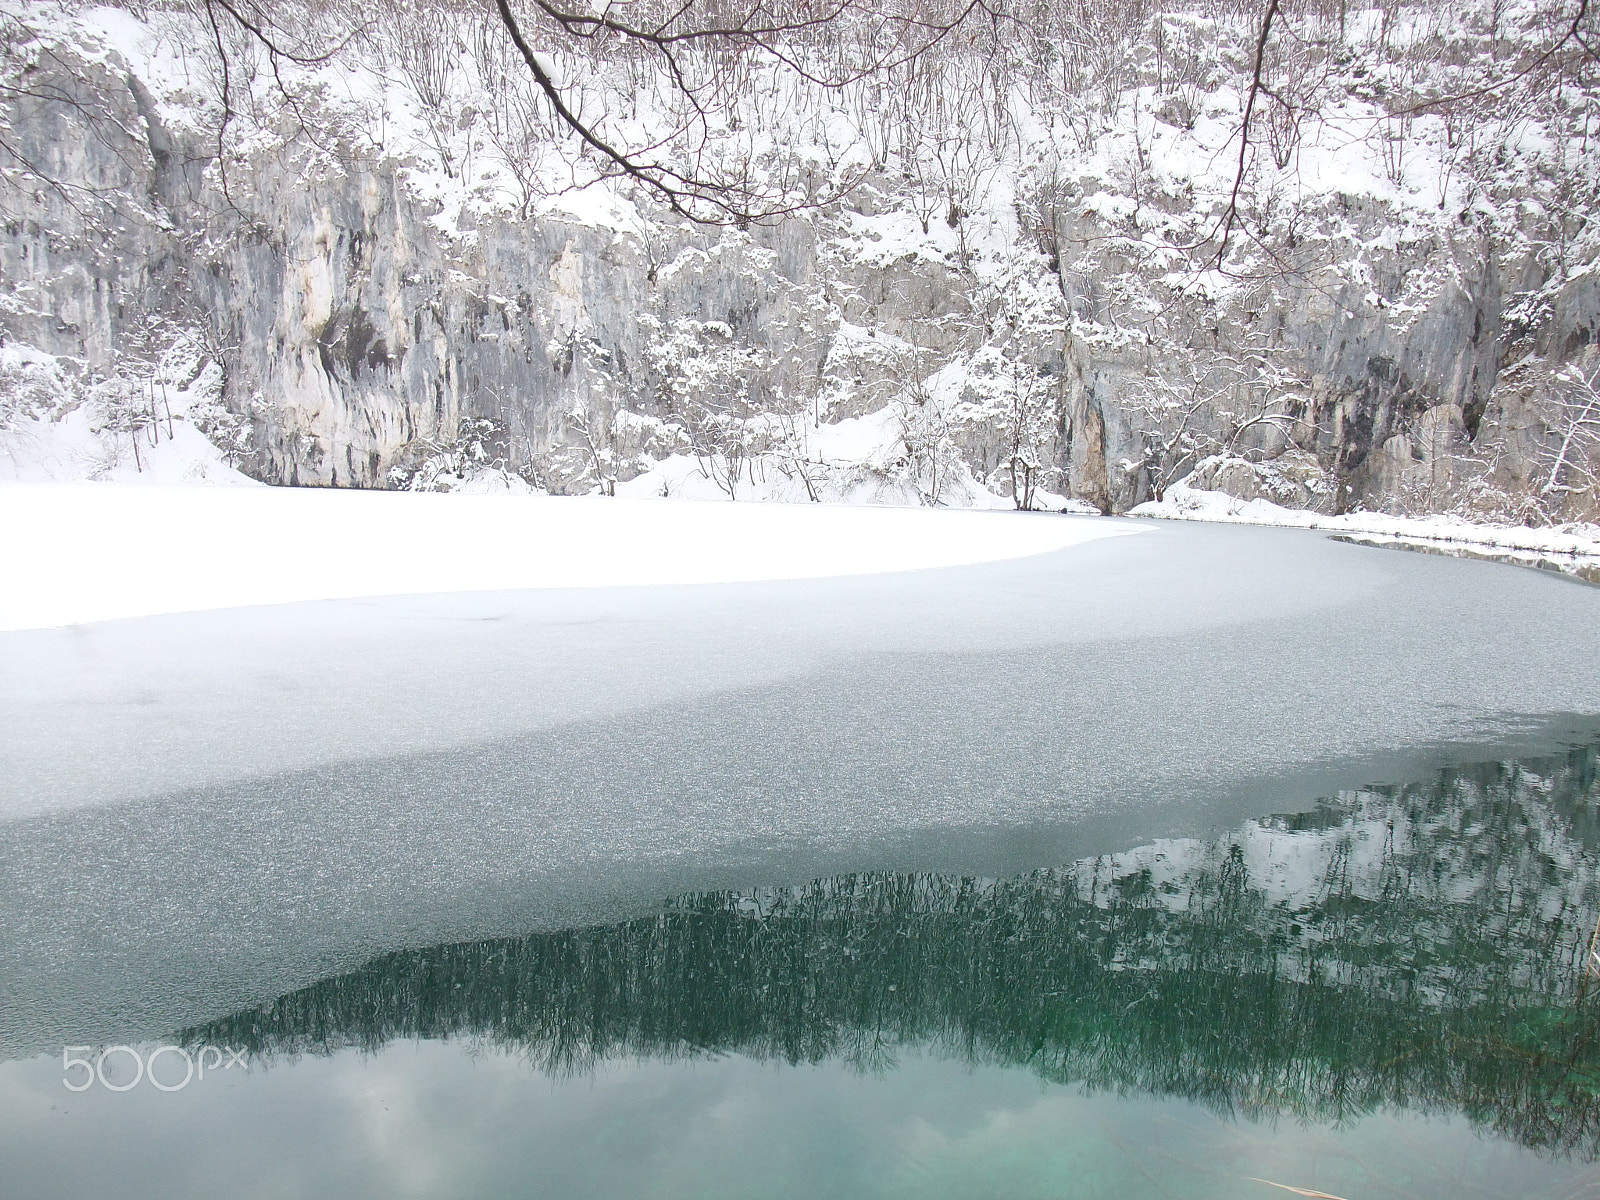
column 207, row 810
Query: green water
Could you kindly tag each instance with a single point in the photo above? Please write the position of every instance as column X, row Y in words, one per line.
column 1387, row 996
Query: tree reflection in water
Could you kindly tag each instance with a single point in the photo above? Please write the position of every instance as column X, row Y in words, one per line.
column 1420, row 947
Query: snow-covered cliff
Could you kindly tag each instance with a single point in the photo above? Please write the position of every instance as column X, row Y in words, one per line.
column 1024, row 285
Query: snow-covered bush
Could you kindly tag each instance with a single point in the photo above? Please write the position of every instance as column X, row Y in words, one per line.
column 33, row 386
column 478, row 458
column 931, row 454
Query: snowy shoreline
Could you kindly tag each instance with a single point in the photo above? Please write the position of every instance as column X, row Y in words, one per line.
column 1182, row 503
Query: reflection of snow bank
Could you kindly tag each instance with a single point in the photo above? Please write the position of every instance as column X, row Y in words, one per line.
column 1191, row 504
column 95, row 552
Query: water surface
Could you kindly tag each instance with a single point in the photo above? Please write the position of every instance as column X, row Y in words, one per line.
column 1051, row 877
column 1391, row 993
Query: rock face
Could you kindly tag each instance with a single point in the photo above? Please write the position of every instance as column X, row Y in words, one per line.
column 358, row 336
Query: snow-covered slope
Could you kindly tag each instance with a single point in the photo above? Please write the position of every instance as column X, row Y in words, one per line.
column 61, row 423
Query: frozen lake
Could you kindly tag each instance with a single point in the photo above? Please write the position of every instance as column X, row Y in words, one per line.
column 209, row 814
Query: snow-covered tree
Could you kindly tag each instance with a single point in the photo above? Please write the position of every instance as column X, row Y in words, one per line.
column 1569, row 464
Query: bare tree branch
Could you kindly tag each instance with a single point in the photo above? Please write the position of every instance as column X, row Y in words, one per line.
column 1256, row 88
column 704, row 198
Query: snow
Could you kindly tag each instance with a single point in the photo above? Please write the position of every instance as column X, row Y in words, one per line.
column 73, row 449
column 88, row 552
column 65, row 428
column 1183, row 503
column 856, row 438
column 855, row 461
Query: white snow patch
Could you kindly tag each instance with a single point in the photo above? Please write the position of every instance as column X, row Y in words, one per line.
column 84, row 552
